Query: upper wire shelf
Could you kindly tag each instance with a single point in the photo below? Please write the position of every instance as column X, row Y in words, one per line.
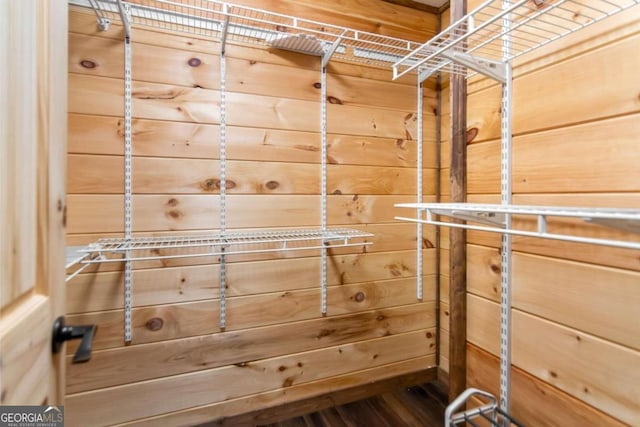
column 212, row 244
column 492, row 218
column 477, row 37
column 217, row 20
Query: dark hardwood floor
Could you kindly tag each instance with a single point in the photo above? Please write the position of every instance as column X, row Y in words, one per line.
column 414, row 406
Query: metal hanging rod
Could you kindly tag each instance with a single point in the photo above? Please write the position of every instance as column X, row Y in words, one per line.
column 248, row 25
column 475, row 40
column 493, row 219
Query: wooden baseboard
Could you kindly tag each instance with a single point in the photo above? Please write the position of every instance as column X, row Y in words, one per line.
column 323, row 401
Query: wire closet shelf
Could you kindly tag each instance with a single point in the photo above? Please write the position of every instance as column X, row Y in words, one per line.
column 476, row 39
column 109, row 250
column 226, row 22
column 534, row 220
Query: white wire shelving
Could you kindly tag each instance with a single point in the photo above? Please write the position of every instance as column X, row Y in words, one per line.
column 492, row 218
column 110, row 250
column 220, row 21
column 227, row 23
column 486, row 41
column 475, row 40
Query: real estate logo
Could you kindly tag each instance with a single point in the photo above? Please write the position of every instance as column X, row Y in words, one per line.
column 32, row 416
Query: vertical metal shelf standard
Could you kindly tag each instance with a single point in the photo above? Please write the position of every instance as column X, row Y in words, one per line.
column 486, row 41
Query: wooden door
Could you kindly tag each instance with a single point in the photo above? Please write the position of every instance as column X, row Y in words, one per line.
column 33, row 104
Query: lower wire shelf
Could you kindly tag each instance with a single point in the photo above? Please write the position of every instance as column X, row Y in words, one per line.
column 110, row 250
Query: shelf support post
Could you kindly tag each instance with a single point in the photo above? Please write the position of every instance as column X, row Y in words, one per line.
column 128, row 114
column 419, row 152
column 223, row 167
column 323, row 184
column 505, row 199
column 457, row 236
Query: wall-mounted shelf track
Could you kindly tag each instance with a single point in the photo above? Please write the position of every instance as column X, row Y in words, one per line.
column 248, row 25
column 492, row 218
column 475, row 40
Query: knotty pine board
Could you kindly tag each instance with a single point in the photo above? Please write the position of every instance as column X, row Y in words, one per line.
column 84, row 23
column 104, row 213
column 221, row 410
column 566, row 84
column 164, row 358
column 595, row 371
column 142, row 399
column 100, row 95
column 89, row 134
column 103, row 291
column 591, row 369
column 598, row 300
column 589, row 87
column 594, row 157
column 97, row 56
column 180, row 320
column 89, row 174
column 533, row 402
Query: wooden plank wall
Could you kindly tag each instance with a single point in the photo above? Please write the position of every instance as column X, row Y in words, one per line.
column 180, row 369
column 576, row 325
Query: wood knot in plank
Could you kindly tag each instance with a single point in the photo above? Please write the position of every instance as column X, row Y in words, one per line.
column 325, row 333
column 401, row 144
column 210, row 184
column 155, row 324
column 334, row 100
column 88, row 64
column 228, row 184
column 194, row 62
column 174, row 214
column 426, row 244
column 173, row 202
column 158, row 93
column 359, row 297
column 472, row 133
column 272, row 185
column 317, row 85
column 306, row 147
column 288, row 382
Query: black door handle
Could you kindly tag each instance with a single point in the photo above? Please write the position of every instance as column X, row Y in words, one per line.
column 62, row 333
